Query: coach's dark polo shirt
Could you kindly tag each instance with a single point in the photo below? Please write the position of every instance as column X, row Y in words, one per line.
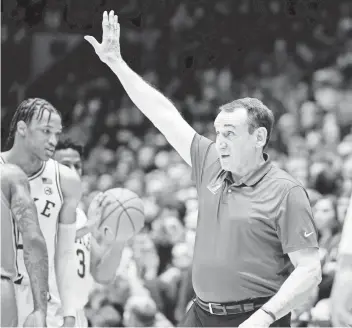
column 245, row 229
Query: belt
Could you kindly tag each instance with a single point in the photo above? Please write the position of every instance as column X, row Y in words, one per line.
column 232, row 308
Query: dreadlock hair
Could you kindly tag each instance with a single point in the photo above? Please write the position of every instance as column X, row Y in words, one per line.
column 69, row 144
column 25, row 112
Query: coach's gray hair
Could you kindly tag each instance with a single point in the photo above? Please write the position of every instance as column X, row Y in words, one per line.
column 259, row 115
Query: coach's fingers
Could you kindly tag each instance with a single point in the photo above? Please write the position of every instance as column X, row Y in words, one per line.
column 116, row 27
column 105, row 25
column 92, row 40
column 111, row 26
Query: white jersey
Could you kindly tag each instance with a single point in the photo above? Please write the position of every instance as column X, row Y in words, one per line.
column 47, row 195
column 84, row 281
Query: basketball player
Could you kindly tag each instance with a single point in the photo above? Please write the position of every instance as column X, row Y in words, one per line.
column 97, row 258
column 18, row 212
column 56, row 191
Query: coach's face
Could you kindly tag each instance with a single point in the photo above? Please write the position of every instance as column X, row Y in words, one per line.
column 235, row 145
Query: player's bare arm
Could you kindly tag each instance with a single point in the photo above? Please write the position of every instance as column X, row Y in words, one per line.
column 156, row 107
column 65, row 249
column 105, row 255
column 297, row 287
column 34, row 247
column 104, row 259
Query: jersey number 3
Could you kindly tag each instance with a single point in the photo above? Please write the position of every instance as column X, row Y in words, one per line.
column 82, row 269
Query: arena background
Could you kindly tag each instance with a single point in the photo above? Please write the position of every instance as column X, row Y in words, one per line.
column 294, row 55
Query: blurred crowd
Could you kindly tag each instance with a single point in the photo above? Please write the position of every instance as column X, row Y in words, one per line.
column 296, row 56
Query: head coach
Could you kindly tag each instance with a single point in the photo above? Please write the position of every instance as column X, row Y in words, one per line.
column 255, row 220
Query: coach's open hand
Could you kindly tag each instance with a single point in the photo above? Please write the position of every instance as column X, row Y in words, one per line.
column 109, row 49
column 257, row 319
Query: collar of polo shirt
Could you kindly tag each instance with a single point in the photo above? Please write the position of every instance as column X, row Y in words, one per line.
column 249, row 180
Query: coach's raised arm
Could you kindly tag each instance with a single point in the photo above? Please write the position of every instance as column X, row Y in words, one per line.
column 255, row 222
column 159, row 110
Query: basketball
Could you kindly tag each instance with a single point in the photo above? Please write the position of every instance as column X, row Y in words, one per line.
column 124, row 215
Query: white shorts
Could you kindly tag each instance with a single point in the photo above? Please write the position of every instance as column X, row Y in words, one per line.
column 54, row 319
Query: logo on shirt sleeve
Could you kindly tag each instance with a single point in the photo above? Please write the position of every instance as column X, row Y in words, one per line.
column 306, row 234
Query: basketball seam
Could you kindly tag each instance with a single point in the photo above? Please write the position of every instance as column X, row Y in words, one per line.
column 136, row 209
column 119, row 204
column 124, row 210
column 107, row 216
column 118, row 223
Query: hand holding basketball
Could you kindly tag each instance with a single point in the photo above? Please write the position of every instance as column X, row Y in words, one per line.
column 123, row 214
column 95, row 210
column 109, row 49
column 94, row 214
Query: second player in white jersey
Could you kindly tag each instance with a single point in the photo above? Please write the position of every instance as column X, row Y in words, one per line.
column 84, row 281
column 97, row 259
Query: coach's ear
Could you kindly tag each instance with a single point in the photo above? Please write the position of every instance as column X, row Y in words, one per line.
column 22, row 128
column 261, row 134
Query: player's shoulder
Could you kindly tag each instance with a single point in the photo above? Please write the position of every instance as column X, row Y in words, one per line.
column 70, row 182
column 12, row 177
column 12, row 172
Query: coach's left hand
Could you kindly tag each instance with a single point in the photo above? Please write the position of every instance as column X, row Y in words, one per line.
column 257, row 319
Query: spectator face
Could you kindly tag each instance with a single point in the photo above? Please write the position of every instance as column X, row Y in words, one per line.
column 324, row 214
column 327, row 98
column 287, row 125
column 342, row 206
column 135, row 185
column 314, row 140
column 309, row 115
column 167, row 231
column 70, row 158
column 140, row 311
column 105, row 182
column 191, row 220
column 107, row 316
column 144, row 253
column 146, row 157
column 235, row 145
column 181, row 256
column 347, row 168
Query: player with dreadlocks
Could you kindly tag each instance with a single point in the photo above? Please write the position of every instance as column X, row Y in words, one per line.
column 56, row 190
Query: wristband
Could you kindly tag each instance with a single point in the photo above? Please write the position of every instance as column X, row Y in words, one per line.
column 269, row 313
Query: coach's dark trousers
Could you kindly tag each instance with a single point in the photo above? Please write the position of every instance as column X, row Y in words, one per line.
column 197, row 317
